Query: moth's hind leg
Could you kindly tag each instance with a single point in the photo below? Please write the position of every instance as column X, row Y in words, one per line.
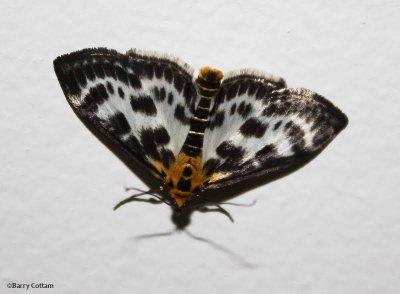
column 218, row 209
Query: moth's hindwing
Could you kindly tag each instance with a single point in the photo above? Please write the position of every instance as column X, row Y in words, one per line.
column 259, row 127
column 143, row 102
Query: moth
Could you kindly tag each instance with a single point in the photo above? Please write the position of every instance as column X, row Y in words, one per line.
column 197, row 137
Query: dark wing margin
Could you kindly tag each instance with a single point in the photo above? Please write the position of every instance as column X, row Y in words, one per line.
column 266, row 130
column 128, row 100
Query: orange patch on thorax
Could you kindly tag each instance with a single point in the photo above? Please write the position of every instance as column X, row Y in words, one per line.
column 184, row 177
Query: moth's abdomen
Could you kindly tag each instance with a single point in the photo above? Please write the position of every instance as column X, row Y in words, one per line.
column 208, row 83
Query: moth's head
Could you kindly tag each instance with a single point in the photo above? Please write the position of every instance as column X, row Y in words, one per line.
column 181, row 217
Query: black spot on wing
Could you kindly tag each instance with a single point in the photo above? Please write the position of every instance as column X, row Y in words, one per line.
column 143, row 104
column 152, row 140
column 158, row 71
column 156, row 93
column 121, row 93
column 159, row 94
column 218, row 120
column 243, row 85
column 102, row 91
column 134, row 81
column 180, row 114
column 270, row 110
column 161, row 136
column 163, row 94
column 233, row 109
column 261, row 92
column 90, row 102
column 110, row 88
column 88, row 70
column 219, row 98
column 322, row 136
column 277, row 125
column 80, row 76
column 252, row 88
column 282, row 108
column 319, row 120
column 178, row 82
column 96, row 96
column 232, row 91
column 267, row 150
column 122, row 75
column 98, row 70
column 68, row 80
column 312, row 114
column 118, row 124
column 109, row 70
column 170, row 98
column 245, row 109
column 241, row 107
column 231, row 154
column 210, row 166
column 337, row 119
column 188, row 92
column 227, row 149
column 296, row 136
column 253, row 128
column 167, row 157
column 168, row 74
column 148, row 142
column 149, row 70
column 134, row 145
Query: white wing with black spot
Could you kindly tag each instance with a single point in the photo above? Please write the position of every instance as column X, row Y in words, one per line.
column 258, row 126
column 142, row 101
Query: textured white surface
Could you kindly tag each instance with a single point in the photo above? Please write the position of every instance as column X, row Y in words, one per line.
column 331, row 227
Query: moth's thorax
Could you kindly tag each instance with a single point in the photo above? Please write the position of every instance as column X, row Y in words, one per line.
column 185, row 177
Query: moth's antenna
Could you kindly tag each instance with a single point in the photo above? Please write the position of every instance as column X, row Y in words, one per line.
column 240, row 204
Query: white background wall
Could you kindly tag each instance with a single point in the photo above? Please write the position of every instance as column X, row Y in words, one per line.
column 331, row 227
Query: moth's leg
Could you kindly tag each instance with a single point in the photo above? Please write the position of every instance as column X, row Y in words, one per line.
column 133, row 188
column 218, row 209
column 134, row 198
column 223, row 211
